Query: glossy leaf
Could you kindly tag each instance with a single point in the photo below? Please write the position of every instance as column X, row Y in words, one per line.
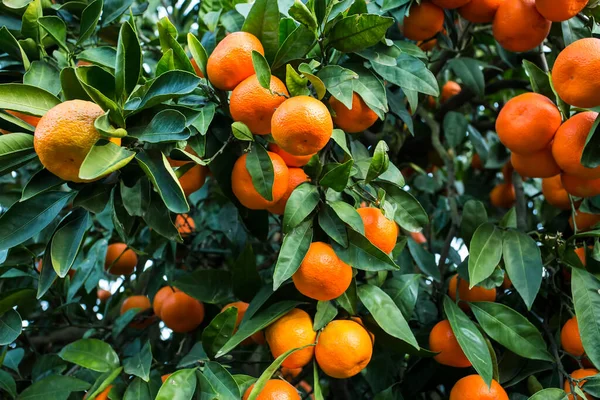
column 379, row 163
column 333, row 226
column 263, row 22
column 128, row 65
column 404, row 291
column 470, row 73
column 485, row 253
column 168, row 86
column 586, row 287
column 139, row 364
column 260, row 167
column 220, row 329
column 409, row 214
column 357, row 32
column 89, row 19
column 295, row 47
column 293, row 249
column 93, row 354
column 7, row 383
column 523, row 263
column 208, row 286
column 424, row 259
column 104, row 157
column 67, row 241
column 409, row 73
column 262, row 69
column 179, row 386
column 53, row 387
column 10, row 327
column 303, row 200
column 26, row 99
column 362, row 254
column 474, row 215
column 221, row 381
column 326, row 312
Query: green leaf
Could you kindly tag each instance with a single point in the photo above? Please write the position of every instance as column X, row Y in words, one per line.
column 362, row 254
column 470, row 340
column 72, row 88
column 128, row 67
column 222, row 381
column 349, row 215
column 114, row 9
column 409, row 214
column 338, row 81
column 99, row 86
column 379, row 163
column 262, row 69
column 103, row 158
column 26, row 99
column 403, row 290
column 25, row 219
column 585, row 288
column 293, row 249
column 102, row 382
column 391, row 4
column 195, row 356
column 335, row 176
column 139, row 363
column 198, row 52
column 57, row 30
column 523, row 263
column 43, row 76
column 158, row 217
column 220, row 329
column 168, row 86
column 470, row 73
column 409, row 73
column 181, row 385
column 165, row 126
column 123, row 320
column 53, row 387
column 157, row 168
column 260, row 167
column 540, row 81
column 263, row 22
column 242, row 132
column 302, row 202
column 485, row 253
column 455, row 128
column 371, row 90
column 10, row 327
column 208, row 286
column 386, row 313
column 302, row 14
column 246, row 280
column 103, row 55
column 295, row 47
column 137, row 390
column 104, row 127
column 7, row 383
column 474, row 215
column 296, row 83
column 92, row 354
column 357, row 32
column 67, row 241
column 591, row 155
column 16, row 150
column 89, row 20
column 424, row 259
column 326, row 312
column 550, row 394
column 511, row 330
column 333, row 226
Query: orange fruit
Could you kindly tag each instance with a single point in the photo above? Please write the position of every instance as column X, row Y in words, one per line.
column 476, row 294
column 322, row 275
column 290, row 373
column 555, row 193
column 241, row 307
column 275, row 389
column 574, row 73
column 580, row 251
column 443, row 341
column 476, row 162
column 301, row 125
column 244, row 190
column 290, row 159
column 503, row 195
column 507, row 171
column 570, row 340
column 580, row 187
column 71, row 272
column 569, row 143
column 192, row 179
column 473, row 387
column 160, row 297
column 294, row 329
column 65, row 135
column 359, row 321
column 164, row 377
column 527, row 123
column 296, row 177
column 418, row 237
column 380, row 231
column 181, row 312
column 450, row 89
column 480, row 11
column 506, row 282
column 231, row 61
column 344, row 349
column 428, row 45
column 196, row 68
column 561, row 10
column 579, row 374
column 355, row 119
column 450, row 4
column 584, row 221
column 254, row 105
column 141, row 302
column 423, row 21
column 120, row 260
column 103, row 295
column 519, row 27
column 185, row 225
column 540, row 164
column 104, row 394
column 30, row 119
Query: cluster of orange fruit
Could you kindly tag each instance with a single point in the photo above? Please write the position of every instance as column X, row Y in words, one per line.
column 570, row 340
column 518, row 25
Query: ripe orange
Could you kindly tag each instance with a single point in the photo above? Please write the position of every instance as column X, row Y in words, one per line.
column 231, row 61
column 104, row 394
column 353, row 120
column 359, row 321
column 71, row 272
column 296, row 177
column 164, row 377
column 380, row 231
column 290, row 159
column 418, row 237
column 540, row 164
column 569, row 143
column 185, row 225
column 527, row 123
column 519, row 27
column 243, row 188
column 294, row 329
column 103, row 295
column 503, row 195
column 579, row 374
column 584, row 221
column 443, row 341
column 473, row 387
column 476, row 294
column 301, row 125
column 570, row 340
column 428, row 45
column 241, row 307
column 580, row 187
column 120, row 260
column 450, row 4
column 254, row 105
column 555, row 193
column 560, row 11
column 449, row 90
column 344, row 349
column 142, row 302
column 574, row 73
column 196, row 68
column 290, row 373
column 160, row 297
column 193, row 179
column 480, row 11
column 322, row 275
column 181, row 312
column 580, row 251
column 423, row 21
column 275, row 389
column 65, row 135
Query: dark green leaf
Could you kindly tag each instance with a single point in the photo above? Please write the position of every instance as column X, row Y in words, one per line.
column 114, row 9
column 403, row 290
column 263, row 22
column 424, row 259
column 208, row 286
column 485, row 253
column 89, row 20
column 219, row 331
column 379, row 163
column 246, row 280
column 262, row 69
column 333, row 226
column 260, row 167
column 11, row 46
column 550, row 394
column 470, row 73
column 586, row 287
column 295, row 245
column 93, row 354
column 44, row 76
column 540, row 81
column 10, row 327
column 455, row 128
column 474, row 214
column 198, row 52
column 326, row 312
column 302, row 202
column 335, row 176
column 591, row 153
column 26, row 99
column 166, row 126
column 409, row 214
column 67, row 241
column 137, row 390
column 139, row 363
column 523, row 263
column 168, row 86
column 53, row 387
column 7, row 383
column 339, row 82
column 362, row 254
column 181, row 385
column 295, row 47
column 128, row 65
column 357, row 32
column 42, row 181
column 410, row 73
column 221, row 381
column 349, row 215
column 57, row 30
column 302, row 14
column 103, row 55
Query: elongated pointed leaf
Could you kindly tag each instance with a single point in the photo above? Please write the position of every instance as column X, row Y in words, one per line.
column 586, row 298
column 139, row 364
column 104, row 157
column 93, row 354
column 523, row 263
column 485, row 253
column 26, row 99
column 295, row 246
column 128, row 60
column 68, row 240
column 302, row 202
column 220, row 329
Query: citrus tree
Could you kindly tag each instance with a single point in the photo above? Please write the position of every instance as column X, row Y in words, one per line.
column 277, row 199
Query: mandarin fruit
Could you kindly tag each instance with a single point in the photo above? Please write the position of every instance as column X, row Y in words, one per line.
column 555, row 194
column 580, row 187
column 449, row 90
column 141, row 302
column 380, row 231
column 294, row 329
column 274, row 389
column 164, row 377
column 558, row 11
column 584, row 221
column 120, row 260
column 196, row 68
column 569, row 142
column 570, row 339
column 423, row 22
column 241, row 307
column 443, row 341
column 103, row 295
column 290, row 159
column 580, row 251
column 574, row 74
column 503, row 195
column 296, row 177
column 185, row 225
column 246, row 193
column 181, row 312
column 519, row 27
column 160, row 297
column 476, row 162
column 480, row 11
column 579, row 374
column 473, row 387
column 193, row 179
column 540, row 164
column 476, row 294
column 450, row 4
column 231, row 61
column 104, row 394
column 322, row 275
column 353, row 120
